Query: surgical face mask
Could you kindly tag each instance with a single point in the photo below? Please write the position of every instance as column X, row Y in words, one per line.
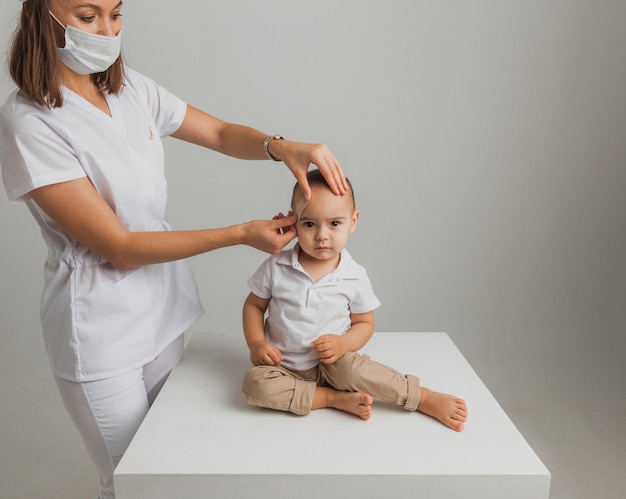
column 86, row 53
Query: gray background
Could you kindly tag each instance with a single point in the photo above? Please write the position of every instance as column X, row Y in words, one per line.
column 486, row 143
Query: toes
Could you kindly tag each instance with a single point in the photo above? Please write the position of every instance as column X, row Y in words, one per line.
column 454, row 424
column 461, row 414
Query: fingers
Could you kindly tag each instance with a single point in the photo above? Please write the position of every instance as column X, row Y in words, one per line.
column 283, row 240
column 284, row 226
column 285, row 219
column 323, row 349
column 336, row 180
column 281, row 215
column 328, row 357
column 328, row 348
column 322, row 343
column 273, row 359
column 268, row 358
column 330, row 169
column 299, row 158
column 305, row 187
column 270, row 236
column 282, row 221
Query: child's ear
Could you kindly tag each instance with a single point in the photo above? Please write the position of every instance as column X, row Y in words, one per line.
column 355, row 221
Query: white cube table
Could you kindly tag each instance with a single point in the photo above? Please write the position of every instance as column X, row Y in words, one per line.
column 202, row 440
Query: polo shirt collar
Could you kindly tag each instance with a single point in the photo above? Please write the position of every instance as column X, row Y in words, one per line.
column 345, row 269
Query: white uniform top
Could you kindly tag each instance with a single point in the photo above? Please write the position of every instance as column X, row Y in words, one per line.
column 99, row 321
column 301, row 310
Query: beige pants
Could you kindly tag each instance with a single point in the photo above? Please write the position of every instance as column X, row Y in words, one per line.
column 276, row 387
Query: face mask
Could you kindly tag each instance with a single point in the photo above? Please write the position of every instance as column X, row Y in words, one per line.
column 86, row 53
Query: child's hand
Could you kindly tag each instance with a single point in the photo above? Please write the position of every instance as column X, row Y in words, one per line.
column 329, row 348
column 265, row 354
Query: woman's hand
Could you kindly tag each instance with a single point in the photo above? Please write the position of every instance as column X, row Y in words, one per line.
column 244, row 142
column 280, row 216
column 298, row 156
column 270, row 236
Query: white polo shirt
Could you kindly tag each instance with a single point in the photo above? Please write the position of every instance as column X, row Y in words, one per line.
column 99, row 321
column 301, row 310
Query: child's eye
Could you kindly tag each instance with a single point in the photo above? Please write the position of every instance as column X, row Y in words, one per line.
column 308, row 224
column 335, row 223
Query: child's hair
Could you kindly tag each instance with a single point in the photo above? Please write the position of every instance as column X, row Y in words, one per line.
column 316, row 179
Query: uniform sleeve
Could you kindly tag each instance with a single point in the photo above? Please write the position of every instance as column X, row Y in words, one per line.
column 34, row 150
column 364, row 299
column 261, row 281
column 166, row 109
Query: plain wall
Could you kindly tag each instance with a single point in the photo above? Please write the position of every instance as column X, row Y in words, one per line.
column 486, row 144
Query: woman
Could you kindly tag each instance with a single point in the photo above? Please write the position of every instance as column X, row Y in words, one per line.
column 80, row 145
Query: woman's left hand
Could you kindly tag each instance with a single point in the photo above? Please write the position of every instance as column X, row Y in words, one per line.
column 243, row 142
column 298, row 157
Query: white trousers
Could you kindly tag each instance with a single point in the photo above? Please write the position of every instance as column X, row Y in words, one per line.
column 108, row 412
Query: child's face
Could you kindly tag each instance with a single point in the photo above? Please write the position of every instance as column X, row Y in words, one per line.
column 325, row 224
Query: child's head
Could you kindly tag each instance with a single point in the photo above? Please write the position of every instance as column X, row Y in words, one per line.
column 326, row 221
column 316, row 181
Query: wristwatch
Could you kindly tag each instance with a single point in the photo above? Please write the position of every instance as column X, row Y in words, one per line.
column 266, row 144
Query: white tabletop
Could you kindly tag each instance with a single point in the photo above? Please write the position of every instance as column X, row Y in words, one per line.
column 201, row 428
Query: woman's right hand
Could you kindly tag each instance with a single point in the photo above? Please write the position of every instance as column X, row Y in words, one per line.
column 270, row 236
column 80, row 211
column 298, row 156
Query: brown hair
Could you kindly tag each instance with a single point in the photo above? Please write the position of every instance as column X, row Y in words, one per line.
column 316, row 179
column 34, row 62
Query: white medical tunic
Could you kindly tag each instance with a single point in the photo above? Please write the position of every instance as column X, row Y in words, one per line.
column 99, row 321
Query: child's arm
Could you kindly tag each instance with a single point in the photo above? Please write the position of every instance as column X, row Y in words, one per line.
column 261, row 352
column 331, row 347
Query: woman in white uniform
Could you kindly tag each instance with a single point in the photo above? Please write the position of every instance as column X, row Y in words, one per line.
column 80, row 144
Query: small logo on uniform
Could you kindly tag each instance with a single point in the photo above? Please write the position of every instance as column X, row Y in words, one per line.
column 150, row 134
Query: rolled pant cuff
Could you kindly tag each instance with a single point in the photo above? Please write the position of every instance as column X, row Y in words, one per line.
column 413, row 397
column 302, row 400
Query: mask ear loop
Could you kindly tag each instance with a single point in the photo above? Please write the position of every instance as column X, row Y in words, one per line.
column 55, row 18
column 300, row 206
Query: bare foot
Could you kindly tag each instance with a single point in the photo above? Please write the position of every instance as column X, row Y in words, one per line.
column 450, row 410
column 359, row 404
